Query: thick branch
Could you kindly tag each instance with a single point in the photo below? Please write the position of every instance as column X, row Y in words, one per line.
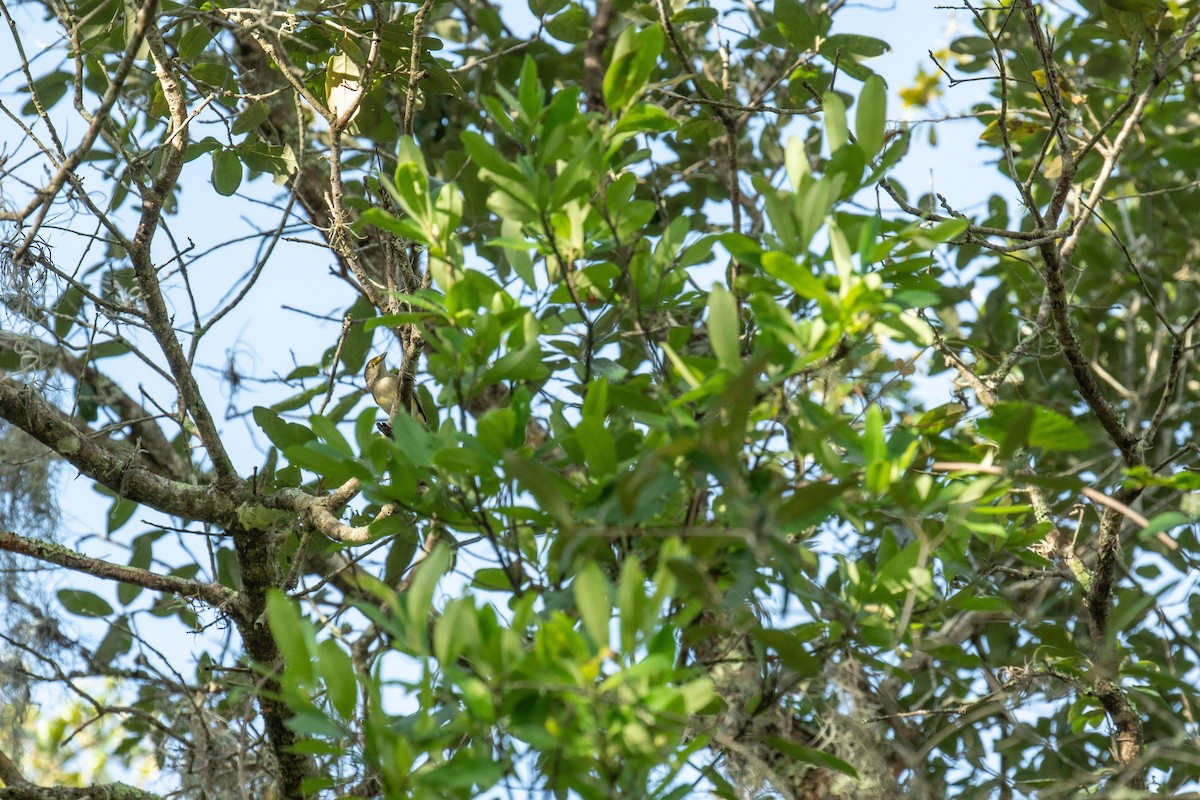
column 21, row 405
column 1128, row 735
column 1108, row 545
column 146, row 434
column 107, row 791
column 214, row 594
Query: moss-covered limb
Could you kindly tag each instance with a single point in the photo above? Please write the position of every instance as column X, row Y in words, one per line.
column 107, row 791
column 156, row 450
column 1057, row 545
column 101, row 461
column 212, row 593
column 321, row 512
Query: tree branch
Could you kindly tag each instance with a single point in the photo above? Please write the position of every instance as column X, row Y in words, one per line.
column 157, row 315
column 10, row 774
column 145, row 433
column 1125, row 440
column 45, row 196
column 593, row 55
column 23, row 407
column 214, row 594
column 320, row 512
column 106, row 791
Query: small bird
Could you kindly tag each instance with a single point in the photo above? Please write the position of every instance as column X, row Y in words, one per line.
column 384, row 386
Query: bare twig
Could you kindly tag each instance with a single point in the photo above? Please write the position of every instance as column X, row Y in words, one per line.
column 337, row 355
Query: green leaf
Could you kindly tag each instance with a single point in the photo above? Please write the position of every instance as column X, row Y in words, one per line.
column 309, row 722
column 631, row 599
column 596, row 442
column 945, row 231
column 485, row 155
column 192, row 43
column 328, row 432
column 131, row 23
column 226, row 172
column 477, row 697
column 791, row 651
column 836, row 131
column 870, row 118
column 254, row 115
column 1136, row 6
column 411, row 190
column 633, row 60
column 140, row 558
column 341, row 683
column 595, row 404
column 529, row 89
column 645, row 118
column 592, row 598
column 84, row 603
column 1018, row 130
column 1047, row 429
column 518, row 254
column 463, row 771
column 282, row 434
column 854, row 44
column 808, row 505
column 405, row 228
column 449, row 210
column 119, row 513
column 117, row 642
column 292, row 635
column 68, row 305
column 358, row 338
column 800, row 278
column 796, row 161
column 328, row 461
column 50, row 89
column 418, row 600
column 571, row 26
column 796, row 23
column 809, row 755
column 1162, row 523
column 401, row 552
column 938, row 419
column 724, row 327
column 839, row 251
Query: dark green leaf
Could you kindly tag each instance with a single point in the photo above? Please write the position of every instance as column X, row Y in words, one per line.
column 633, row 61
column 282, row 434
column 84, row 603
column 226, row 172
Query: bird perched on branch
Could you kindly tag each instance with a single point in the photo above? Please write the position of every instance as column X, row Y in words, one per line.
column 384, row 386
